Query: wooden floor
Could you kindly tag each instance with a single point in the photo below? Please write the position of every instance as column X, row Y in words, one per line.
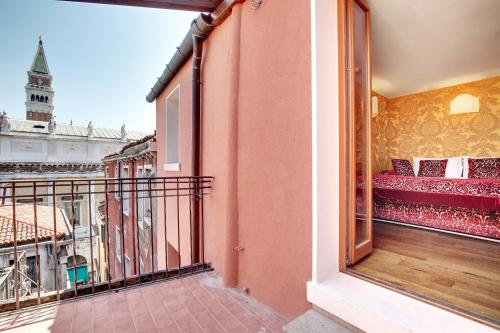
column 461, row 271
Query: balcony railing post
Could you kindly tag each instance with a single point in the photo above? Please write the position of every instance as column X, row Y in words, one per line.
column 4, row 190
column 202, row 225
column 122, row 238
column 190, row 224
column 196, row 221
column 74, row 236
column 37, row 257
column 165, row 226
column 152, row 226
column 56, row 254
column 91, row 239
column 14, row 229
column 138, row 257
column 107, row 232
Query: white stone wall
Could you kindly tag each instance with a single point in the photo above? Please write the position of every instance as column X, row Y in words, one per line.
column 47, row 276
column 83, row 249
column 43, row 148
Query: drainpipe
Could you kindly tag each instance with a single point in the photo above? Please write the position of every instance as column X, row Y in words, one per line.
column 196, row 139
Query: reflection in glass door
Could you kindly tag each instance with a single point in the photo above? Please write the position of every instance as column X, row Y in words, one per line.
column 358, row 109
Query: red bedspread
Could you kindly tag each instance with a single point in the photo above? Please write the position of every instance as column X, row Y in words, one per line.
column 483, row 194
column 470, row 206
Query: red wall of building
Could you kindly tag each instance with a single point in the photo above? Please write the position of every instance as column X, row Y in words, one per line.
column 40, row 116
column 129, row 226
column 257, row 145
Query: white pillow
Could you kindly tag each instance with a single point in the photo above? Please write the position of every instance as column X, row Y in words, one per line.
column 454, row 166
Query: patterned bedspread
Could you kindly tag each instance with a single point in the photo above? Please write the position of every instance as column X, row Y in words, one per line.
column 481, row 194
column 470, row 206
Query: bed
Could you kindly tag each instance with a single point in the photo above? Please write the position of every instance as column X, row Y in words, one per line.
column 468, row 206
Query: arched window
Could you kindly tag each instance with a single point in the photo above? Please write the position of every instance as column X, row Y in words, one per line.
column 32, row 97
column 46, row 99
column 77, row 269
column 37, row 98
column 80, row 261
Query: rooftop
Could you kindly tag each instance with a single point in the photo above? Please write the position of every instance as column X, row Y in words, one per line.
column 26, row 224
column 34, row 127
column 198, row 303
column 134, row 149
column 49, row 167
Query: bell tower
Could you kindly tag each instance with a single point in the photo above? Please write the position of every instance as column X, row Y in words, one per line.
column 39, row 93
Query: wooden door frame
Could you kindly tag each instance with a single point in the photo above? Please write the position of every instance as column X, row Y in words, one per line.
column 344, row 207
column 347, row 195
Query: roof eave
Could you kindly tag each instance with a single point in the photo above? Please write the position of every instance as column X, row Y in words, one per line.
column 201, row 26
column 191, row 5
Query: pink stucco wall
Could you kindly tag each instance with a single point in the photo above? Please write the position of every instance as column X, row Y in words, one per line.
column 183, row 80
column 257, row 144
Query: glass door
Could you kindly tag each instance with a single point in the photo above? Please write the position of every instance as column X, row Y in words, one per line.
column 358, row 119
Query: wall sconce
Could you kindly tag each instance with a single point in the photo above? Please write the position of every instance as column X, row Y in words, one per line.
column 464, row 103
column 374, row 106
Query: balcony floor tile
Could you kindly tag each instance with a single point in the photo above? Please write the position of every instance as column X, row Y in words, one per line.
column 196, row 303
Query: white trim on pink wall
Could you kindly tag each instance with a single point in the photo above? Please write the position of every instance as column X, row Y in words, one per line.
column 325, row 150
column 173, row 166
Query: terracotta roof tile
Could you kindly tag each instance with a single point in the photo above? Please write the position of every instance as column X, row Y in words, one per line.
column 101, row 209
column 26, row 225
column 151, row 138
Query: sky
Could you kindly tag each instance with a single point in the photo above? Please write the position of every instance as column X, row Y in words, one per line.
column 104, row 59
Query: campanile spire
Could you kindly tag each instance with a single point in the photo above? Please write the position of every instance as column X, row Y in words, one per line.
column 39, row 92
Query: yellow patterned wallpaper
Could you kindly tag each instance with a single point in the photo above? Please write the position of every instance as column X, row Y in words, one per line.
column 420, row 125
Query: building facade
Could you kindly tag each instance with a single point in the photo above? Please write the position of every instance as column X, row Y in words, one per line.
column 132, row 209
column 40, row 149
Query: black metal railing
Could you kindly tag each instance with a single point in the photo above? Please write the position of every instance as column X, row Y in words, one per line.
column 83, row 236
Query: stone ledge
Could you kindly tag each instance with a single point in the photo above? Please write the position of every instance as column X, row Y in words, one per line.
column 313, row 321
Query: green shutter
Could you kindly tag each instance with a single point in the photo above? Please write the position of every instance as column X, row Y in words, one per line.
column 82, row 274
